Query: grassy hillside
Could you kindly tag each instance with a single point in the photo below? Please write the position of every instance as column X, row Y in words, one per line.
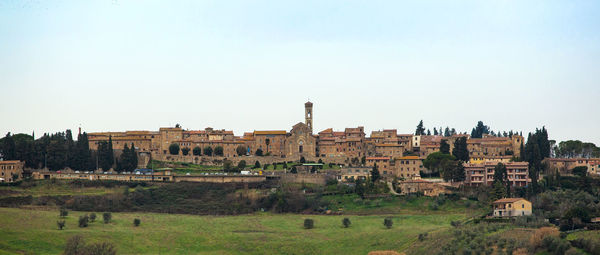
column 55, row 188
column 35, row 232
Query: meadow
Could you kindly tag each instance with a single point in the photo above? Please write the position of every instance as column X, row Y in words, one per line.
column 34, row 231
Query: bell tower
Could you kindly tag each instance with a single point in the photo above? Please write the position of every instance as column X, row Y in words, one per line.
column 308, row 115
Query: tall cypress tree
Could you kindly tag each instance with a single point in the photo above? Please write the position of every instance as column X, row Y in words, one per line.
column 420, row 129
column 444, row 147
column 124, row 160
column 134, row 157
column 71, row 156
column 84, row 154
column 460, row 151
column 521, row 152
column 375, row 173
column 111, row 155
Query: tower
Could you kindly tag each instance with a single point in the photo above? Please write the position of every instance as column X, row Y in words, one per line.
column 308, row 115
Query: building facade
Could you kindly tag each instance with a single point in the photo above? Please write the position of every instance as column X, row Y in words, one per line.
column 408, row 167
column 11, row 170
column 512, row 207
column 566, row 165
column 483, row 174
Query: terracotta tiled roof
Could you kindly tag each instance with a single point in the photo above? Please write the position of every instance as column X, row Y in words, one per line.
column 329, row 130
column 270, row 132
column 376, row 158
column 388, row 145
column 339, row 133
column 509, row 200
column 9, row 162
column 408, row 157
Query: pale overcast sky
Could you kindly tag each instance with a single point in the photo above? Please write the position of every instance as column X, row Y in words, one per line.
column 250, row 65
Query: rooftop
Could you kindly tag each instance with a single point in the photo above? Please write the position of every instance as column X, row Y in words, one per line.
column 509, row 200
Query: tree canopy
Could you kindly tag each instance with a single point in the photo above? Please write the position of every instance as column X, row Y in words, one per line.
column 420, row 129
column 461, row 151
column 479, row 130
column 174, row 149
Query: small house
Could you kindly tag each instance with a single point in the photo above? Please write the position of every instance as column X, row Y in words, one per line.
column 511, row 207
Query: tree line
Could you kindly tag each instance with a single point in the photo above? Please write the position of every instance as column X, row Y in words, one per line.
column 54, row 151
column 59, row 151
column 576, row 149
column 477, row 132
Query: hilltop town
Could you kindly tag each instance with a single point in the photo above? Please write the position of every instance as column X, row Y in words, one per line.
column 489, row 183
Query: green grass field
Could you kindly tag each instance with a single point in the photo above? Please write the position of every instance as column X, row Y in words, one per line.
column 24, row 231
column 58, row 188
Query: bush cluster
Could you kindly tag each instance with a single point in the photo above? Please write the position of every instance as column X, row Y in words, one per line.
column 76, row 246
column 309, row 223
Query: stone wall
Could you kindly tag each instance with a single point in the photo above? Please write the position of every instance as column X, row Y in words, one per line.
column 216, row 160
column 220, row 178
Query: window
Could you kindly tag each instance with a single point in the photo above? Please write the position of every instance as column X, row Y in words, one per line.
column 523, row 206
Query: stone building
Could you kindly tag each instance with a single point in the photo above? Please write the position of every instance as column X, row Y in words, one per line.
column 350, row 174
column 11, row 170
column 408, row 167
column 301, row 142
column 388, row 143
column 566, row 165
column 142, row 140
column 494, row 146
column 270, row 142
column 384, row 165
column 347, row 144
column 428, row 144
column 427, row 188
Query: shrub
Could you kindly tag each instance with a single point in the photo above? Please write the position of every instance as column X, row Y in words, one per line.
column 185, row 151
column 208, row 151
column 346, row 222
column 536, row 239
column 388, row 223
column 433, row 207
column 136, row 222
column 60, row 224
column 590, row 246
column 174, row 149
column 106, row 217
column 309, row 223
column 76, row 246
column 83, row 221
column 104, row 248
column 197, row 151
column 555, row 245
column 218, row 151
column 92, row 217
column 64, row 212
column 241, row 165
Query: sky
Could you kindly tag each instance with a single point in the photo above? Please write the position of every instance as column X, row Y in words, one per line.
column 251, row 65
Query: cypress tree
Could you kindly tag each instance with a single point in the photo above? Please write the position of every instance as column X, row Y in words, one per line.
column 134, row 157
column 420, row 129
column 444, row 147
column 124, row 160
column 375, row 174
column 461, row 152
column 111, row 155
